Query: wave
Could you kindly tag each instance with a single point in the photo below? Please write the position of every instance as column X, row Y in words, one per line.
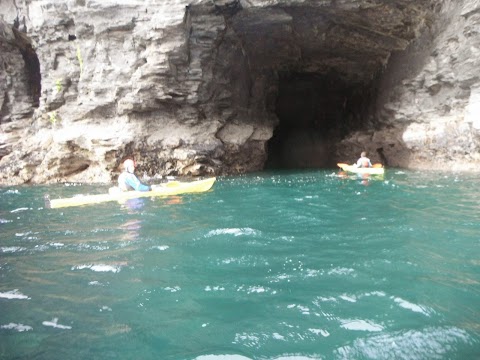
column 99, row 268
column 13, row 294
column 17, row 327
column 233, row 231
column 54, row 323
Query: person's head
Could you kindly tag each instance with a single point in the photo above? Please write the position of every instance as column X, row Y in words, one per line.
column 129, row 165
column 363, row 154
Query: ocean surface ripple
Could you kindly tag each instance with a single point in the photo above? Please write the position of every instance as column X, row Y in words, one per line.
column 274, row 265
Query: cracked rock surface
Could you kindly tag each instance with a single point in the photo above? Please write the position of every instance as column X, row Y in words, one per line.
column 234, row 86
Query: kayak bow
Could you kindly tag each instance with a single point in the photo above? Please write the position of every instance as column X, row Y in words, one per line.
column 166, row 189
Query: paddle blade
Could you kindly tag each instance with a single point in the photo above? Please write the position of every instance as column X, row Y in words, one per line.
column 377, row 165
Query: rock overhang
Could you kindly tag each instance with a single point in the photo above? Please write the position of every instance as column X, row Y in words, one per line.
column 353, row 39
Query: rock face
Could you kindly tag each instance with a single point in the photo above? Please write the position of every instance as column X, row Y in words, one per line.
column 233, row 86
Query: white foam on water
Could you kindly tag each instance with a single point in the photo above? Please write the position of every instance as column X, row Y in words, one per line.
column 277, row 336
column 100, row 247
column 54, row 323
column 17, row 327
column 375, row 293
column 249, row 260
column 326, row 299
column 172, row 289
column 303, row 309
column 297, row 357
column 20, row 209
column 410, row 306
column 161, row 247
column 322, row 332
column 12, row 249
column 98, row 268
column 214, row 288
column 342, row 271
column 427, row 343
column 281, row 277
column 14, row 294
column 222, row 357
column 313, row 273
column 255, row 289
column 12, row 192
column 348, row 298
column 4, row 221
column 361, row 325
column 233, row 231
column 249, row 340
column 57, row 244
column 41, row 247
column 105, row 308
column 23, row 234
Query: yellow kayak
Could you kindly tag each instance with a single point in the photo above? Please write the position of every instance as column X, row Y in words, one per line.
column 167, row 189
column 377, row 169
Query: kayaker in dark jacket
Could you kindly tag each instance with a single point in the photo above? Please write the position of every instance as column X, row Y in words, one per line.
column 128, row 181
column 364, row 161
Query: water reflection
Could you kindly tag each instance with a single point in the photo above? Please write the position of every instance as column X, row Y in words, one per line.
column 364, row 179
column 134, row 205
column 131, row 227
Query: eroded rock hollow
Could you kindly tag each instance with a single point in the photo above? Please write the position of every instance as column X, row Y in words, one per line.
column 233, row 86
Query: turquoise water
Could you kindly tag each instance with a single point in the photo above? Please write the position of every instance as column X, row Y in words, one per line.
column 286, row 265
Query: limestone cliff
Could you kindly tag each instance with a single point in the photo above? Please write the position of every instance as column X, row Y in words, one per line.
column 228, row 86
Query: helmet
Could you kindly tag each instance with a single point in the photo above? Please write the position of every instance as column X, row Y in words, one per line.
column 129, row 165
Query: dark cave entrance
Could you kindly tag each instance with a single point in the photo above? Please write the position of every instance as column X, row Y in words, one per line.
column 324, row 69
column 315, row 112
column 32, row 66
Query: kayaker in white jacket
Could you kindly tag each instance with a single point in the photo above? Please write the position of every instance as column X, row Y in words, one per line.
column 364, row 161
column 128, row 181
